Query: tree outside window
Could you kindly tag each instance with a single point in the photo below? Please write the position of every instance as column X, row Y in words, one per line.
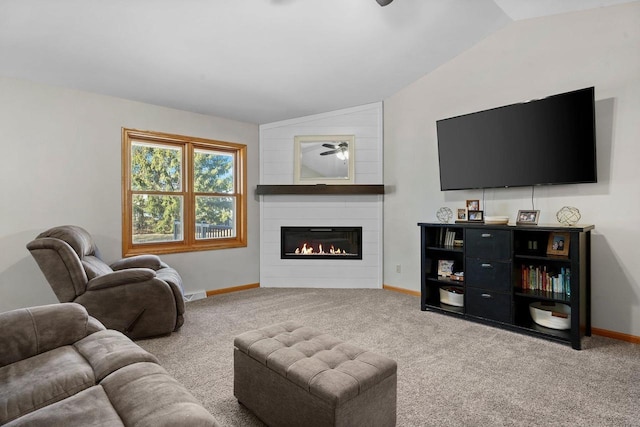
column 182, row 194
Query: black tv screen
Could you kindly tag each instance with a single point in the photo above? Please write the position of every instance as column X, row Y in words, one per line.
column 545, row 141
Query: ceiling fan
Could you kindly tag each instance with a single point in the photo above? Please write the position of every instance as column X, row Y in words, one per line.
column 340, row 147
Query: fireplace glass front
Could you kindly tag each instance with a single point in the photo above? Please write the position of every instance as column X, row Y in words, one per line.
column 321, row 242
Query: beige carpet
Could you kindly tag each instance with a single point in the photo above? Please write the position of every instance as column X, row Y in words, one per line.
column 451, row 372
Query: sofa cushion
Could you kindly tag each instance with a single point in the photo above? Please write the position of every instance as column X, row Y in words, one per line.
column 90, row 407
column 144, row 394
column 26, row 332
column 41, row 380
column 95, row 267
column 109, row 350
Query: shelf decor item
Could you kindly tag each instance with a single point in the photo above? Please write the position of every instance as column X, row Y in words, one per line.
column 445, row 267
column 558, row 243
column 527, row 217
column 444, row 215
column 473, row 205
column 458, row 276
column 551, row 314
column 452, row 296
column 462, row 215
column 568, row 215
column 496, row 220
column 476, row 216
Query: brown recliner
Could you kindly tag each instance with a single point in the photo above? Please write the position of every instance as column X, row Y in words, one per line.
column 140, row 296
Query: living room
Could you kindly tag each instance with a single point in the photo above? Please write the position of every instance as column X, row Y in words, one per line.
column 63, row 160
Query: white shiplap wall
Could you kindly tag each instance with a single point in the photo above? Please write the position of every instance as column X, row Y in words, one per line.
column 276, row 168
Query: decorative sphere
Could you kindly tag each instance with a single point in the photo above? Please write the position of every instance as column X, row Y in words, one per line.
column 568, row 215
column 444, row 215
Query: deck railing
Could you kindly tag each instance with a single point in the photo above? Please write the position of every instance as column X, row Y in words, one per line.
column 205, row 231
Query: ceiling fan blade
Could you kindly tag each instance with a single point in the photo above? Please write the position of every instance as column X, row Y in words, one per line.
column 329, row 145
column 326, row 153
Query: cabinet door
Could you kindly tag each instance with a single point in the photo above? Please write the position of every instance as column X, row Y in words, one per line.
column 486, row 274
column 488, row 244
column 488, row 305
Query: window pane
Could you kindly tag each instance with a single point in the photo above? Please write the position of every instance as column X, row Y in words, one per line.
column 215, row 217
column 213, row 171
column 156, row 218
column 155, row 167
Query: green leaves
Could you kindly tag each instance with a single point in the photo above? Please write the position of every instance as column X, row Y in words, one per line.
column 158, row 168
column 212, row 171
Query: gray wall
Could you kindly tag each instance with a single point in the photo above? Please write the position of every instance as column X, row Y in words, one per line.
column 526, row 60
column 61, row 164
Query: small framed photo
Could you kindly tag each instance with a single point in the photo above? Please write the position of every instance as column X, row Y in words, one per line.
column 445, row 267
column 558, row 243
column 476, row 216
column 527, row 217
column 462, row 214
column 473, row 205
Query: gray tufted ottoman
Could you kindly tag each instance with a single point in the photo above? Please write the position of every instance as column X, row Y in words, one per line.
column 292, row 375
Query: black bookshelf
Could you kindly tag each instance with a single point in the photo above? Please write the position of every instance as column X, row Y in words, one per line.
column 505, row 269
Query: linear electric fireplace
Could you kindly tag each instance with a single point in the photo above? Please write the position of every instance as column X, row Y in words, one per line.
column 321, row 242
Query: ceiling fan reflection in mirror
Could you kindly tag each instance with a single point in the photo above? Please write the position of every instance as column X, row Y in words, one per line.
column 341, row 149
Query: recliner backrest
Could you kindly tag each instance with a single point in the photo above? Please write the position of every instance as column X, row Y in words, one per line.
column 67, row 257
column 77, row 237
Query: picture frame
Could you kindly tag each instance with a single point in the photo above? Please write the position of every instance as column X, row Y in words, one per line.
column 324, row 159
column 558, row 243
column 473, row 205
column 445, row 267
column 462, row 215
column 476, row 216
column 527, row 217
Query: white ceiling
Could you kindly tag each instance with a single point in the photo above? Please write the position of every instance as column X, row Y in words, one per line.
column 257, row 61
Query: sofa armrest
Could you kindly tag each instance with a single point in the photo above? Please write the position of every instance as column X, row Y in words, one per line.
column 121, row 277
column 139, row 261
column 94, row 325
column 26, row 332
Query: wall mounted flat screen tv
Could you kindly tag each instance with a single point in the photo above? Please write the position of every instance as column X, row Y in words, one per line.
column 545, row 141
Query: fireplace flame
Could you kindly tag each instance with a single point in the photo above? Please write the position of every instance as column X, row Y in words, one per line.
column 309, row 250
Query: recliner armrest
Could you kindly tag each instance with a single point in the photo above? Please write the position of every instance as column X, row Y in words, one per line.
column 139, row 261
column 121, row 277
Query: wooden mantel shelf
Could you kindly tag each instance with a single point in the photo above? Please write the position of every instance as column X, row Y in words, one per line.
column 320, row 189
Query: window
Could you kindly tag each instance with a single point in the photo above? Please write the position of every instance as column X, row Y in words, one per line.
column 182, row 194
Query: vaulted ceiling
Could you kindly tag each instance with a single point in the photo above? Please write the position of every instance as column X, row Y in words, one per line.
column 257, row 61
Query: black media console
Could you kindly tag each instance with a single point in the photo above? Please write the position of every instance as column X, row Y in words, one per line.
column 505, row 269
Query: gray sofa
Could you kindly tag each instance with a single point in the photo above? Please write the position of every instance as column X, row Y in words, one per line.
column 61, row 367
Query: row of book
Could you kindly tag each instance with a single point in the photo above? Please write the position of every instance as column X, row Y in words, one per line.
column 446, row 237
column 541, row 279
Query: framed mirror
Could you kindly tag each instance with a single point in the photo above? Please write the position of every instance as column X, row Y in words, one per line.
column 324, row 159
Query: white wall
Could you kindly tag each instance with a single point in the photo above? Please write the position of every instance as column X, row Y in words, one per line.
column 531, row 59
column 61, row 165
column 277, row 161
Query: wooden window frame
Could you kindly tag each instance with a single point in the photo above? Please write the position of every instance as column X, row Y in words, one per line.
column 189, row 243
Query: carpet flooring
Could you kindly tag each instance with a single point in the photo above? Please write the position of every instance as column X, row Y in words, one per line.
column 451, row 372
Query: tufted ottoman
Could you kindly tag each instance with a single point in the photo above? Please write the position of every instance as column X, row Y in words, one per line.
column 292, row 375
